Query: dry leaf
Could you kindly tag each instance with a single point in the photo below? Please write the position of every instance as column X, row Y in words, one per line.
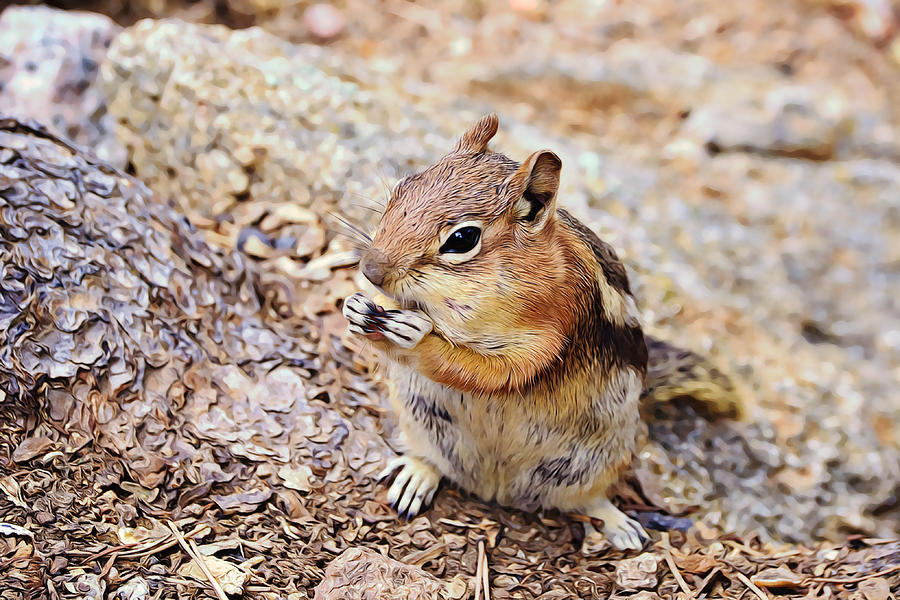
column 876, row 588
column 645, row 595
column 231, row 578
column 242, row 502
column 31, row 447
column 638, row 572
column 135, row 588
column 296, row 479
column 696, row 563
column 11, row 529
column 779, row 577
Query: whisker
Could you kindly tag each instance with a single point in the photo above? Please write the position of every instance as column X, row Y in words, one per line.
column 384, row 182
column 368, row 199
column 349, row 235
column 377, row 210
column 352, row 228
column 356, row 247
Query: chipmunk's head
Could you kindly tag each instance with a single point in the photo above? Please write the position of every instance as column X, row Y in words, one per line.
column 468, row 239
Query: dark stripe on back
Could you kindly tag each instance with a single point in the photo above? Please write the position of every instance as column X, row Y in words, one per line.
column 612, row 267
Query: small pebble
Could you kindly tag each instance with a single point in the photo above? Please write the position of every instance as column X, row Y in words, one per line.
column 323, row 21
column 43, row 517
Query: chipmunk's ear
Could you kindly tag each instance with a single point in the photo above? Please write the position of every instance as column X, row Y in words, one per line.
column 534, row 186
column 477, row 137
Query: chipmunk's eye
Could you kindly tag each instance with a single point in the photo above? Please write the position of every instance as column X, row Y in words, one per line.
column 461, row 241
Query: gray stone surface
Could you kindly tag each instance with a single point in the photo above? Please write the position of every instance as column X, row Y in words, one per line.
column 49, row 62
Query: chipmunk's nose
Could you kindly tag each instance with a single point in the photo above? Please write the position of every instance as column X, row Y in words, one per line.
column 374, row 266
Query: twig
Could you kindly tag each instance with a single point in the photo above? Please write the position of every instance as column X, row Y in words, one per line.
column 478, row 570
column 110, row 550
column 751, row 585
column 707, row 579
column 681, row 582
column 888, row 571
column 484, row 574
column 109, row 565
column 194, row 553
column 197, row 531
column 198, row 556
column 421, row 557
column 144, row 548
column 248, row 564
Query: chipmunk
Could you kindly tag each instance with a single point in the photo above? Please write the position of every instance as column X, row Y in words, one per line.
column 513, row 346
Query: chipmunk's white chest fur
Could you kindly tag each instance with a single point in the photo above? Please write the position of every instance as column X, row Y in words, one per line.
column 518, row 450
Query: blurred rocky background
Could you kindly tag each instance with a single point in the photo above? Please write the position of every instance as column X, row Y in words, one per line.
column 173, row 359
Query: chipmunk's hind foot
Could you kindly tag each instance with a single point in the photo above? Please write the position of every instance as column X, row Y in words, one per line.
column 413, row 487
column 622, row 531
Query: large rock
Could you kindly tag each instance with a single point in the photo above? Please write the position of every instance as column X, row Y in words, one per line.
column 781, row 119
column 49, row 62
column 363, row 574
column 128, row 327
column 751, row 110
column 88, row 251
column 214, row 117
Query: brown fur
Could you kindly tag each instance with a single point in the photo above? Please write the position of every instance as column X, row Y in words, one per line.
column 536, row 358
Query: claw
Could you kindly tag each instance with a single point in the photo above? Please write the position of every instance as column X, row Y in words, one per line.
column 414, row 507
column 392, row 465
column 404, row 328
column 622, row 531
column 413, row 487
column 409, row 493
column 430, row 495
column 396, row 490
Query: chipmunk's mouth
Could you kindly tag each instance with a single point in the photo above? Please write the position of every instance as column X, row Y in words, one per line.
column 403, row 301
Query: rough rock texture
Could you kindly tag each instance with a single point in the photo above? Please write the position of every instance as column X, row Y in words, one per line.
column 115, row 312
column 49, row 62
column 216, row 117
column 362, row 574
column 625, row 76
column 758, row 110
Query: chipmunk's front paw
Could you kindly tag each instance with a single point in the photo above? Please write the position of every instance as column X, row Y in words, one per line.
column 404, row 328
column 414, row 486
column 622, row 531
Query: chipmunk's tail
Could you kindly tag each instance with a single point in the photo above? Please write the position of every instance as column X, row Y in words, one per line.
column 677, row 374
